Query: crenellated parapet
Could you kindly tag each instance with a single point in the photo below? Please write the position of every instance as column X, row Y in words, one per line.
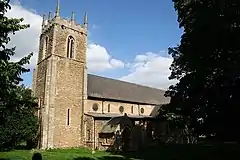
column 48, row 23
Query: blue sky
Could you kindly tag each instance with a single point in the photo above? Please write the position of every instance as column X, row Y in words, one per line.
column 125, row 28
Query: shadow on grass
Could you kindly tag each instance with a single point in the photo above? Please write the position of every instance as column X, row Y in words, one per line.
column 162, row 152
column 18, row 147
column 175, row 152
column 185, row 152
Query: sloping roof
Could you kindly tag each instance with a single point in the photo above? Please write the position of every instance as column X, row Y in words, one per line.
column 108, row 128
column 155, row 110
column 101, row 115
column 113, row 123
column 112, row 115
column 101, row 87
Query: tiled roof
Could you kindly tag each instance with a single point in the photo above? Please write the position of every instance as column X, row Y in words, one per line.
column 101, row 87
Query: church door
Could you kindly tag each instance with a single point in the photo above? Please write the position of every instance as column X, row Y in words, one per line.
column 126, row 135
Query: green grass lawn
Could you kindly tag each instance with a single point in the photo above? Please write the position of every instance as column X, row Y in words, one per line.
column 163, row 152
column 60, row 154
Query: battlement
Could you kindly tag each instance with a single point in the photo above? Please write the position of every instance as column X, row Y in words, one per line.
column 63, row 22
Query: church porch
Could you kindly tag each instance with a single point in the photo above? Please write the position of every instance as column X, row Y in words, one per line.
column 113, row 131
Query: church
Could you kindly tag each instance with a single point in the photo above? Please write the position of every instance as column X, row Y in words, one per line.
column 74, row 106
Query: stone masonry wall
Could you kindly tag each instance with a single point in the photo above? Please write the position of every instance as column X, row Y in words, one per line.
column 91, row 134
column 39, row 92
column 41, row 81
column 69, row 88
column 102, row 143
column 63, row 32
column 98, row 126
column 34, row 80
column 88, row 131
column 129, row 108
column 46, row 44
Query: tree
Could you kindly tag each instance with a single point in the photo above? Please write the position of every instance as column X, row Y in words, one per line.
column 17, row 106
column 207, row 65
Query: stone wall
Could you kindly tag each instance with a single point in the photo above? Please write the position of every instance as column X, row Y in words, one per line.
column 98, row 141
column 68, row 104
column 69, row 86
column 91, row 138
column 88, row 131
column 64, row 30
column 113, row 107
column 46, row 44
column 105, row 143
column 39, row 92
column 34, row 79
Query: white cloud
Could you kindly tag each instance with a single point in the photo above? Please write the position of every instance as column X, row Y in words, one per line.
column 150, row 69
column 98, row 59
column 27, row 40
column 116, row 63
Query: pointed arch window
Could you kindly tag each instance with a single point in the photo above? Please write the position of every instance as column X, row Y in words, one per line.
column 46, row 43
column 70, row 47
column 45, row 48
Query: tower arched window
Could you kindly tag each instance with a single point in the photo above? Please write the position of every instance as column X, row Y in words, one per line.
column 45, row 49
column 70, row 47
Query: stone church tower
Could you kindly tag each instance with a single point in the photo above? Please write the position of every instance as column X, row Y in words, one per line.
column 59, row 81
